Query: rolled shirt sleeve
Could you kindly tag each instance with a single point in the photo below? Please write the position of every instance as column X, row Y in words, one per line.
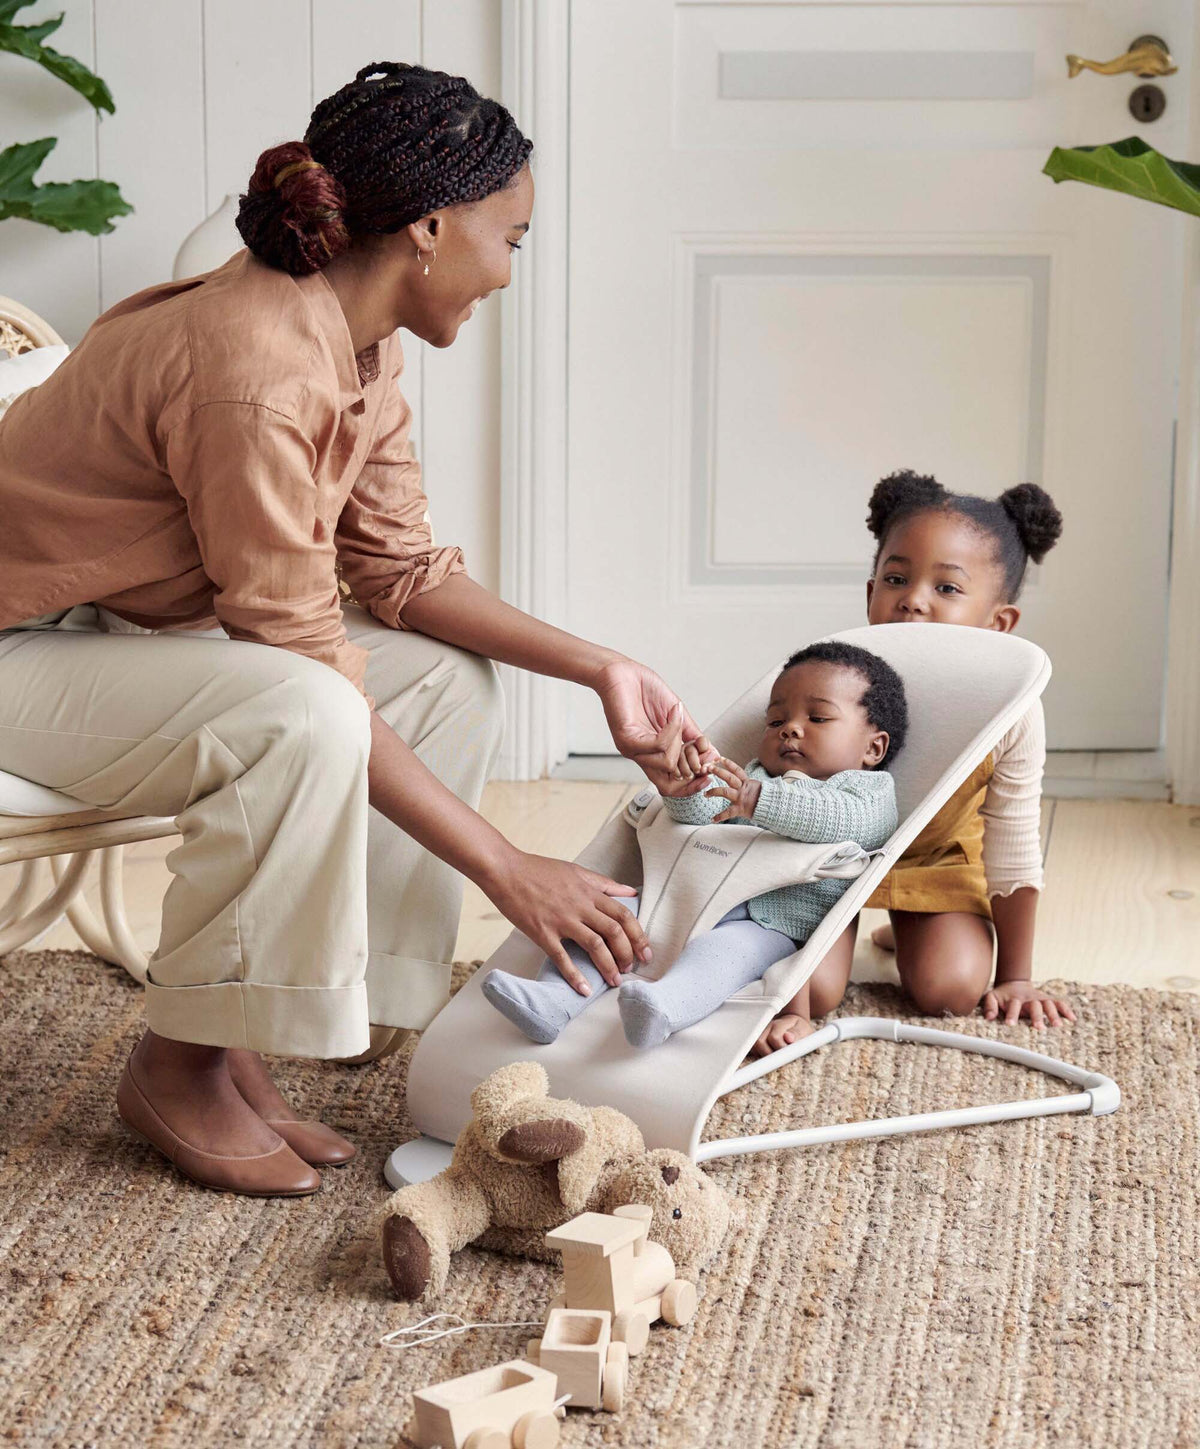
column 385, row 550
column 247, row 475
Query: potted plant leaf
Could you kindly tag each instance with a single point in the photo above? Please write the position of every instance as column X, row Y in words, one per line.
column 1132, row 167
column 67, row 206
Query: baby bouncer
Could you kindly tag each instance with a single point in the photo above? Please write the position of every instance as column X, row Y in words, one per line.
column 966, row 688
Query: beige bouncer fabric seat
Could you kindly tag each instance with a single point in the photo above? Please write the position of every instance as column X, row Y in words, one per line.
column 966, row 688
column 38, row 824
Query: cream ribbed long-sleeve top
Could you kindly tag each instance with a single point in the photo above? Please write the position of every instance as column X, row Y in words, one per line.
column 1012, row 808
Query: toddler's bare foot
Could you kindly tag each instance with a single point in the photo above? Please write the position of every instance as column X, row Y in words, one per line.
column 783, row 1031
column 884, row 937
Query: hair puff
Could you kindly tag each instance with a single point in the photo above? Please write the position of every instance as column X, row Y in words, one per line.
column 899, row 493
column 1036, row 517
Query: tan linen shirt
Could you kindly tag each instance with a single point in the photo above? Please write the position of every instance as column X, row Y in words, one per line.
column 214, row 452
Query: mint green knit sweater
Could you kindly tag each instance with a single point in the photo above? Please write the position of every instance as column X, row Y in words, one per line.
column 858, row 805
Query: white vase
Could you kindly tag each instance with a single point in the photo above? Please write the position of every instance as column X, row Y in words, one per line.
column 212, row 243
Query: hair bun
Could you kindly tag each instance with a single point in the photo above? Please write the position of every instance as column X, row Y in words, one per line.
column 1037, row 518
column 292, row 213
column 899, row 492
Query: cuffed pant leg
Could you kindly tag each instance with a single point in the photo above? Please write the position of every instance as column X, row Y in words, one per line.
column 261, row 756
column 447, row 704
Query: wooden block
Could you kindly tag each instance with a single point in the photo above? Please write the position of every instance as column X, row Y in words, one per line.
column 637, row 1212
column 590, row 1281
column 595, row 1234
column 649, row 1274
column 575, row 1348
column 491, row 1399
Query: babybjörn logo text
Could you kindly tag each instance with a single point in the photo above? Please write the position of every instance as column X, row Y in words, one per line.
column 712, row 849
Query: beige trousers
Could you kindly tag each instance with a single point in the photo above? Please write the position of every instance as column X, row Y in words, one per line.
column 296, row 913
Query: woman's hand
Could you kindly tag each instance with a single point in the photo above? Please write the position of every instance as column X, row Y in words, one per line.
column 734, row 785
column 650, row 726
column 553, row 901
column 1014, row 999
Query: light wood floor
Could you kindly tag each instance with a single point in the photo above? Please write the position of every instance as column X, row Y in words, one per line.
column 1122, row 899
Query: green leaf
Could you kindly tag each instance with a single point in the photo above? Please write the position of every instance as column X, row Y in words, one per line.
column 65, row 205
column 26, row 40
column 47, row 27
column 8, row 8
column 1132, row 167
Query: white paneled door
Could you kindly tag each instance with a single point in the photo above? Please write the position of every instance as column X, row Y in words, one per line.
column 811, row 243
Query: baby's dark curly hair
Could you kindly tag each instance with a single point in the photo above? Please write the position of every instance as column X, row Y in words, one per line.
column 884, row 700
column 1023, row 523
column 395, row 144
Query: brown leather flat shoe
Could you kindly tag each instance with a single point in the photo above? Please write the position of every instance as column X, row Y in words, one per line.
column 314, row 1142
column 278, row 1173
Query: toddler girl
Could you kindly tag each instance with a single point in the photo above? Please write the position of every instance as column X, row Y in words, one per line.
column 947, row 558
column 835, row 713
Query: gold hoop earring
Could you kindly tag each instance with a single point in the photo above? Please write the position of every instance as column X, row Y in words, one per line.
column 434, row 255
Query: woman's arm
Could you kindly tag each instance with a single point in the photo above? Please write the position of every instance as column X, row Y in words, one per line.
column 549, row 900
column 460, row 611
column 649, row 724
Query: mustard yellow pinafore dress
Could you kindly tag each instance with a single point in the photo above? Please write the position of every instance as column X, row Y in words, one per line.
column 942, row 870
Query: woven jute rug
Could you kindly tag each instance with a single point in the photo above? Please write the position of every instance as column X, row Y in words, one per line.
column 1022, row 1284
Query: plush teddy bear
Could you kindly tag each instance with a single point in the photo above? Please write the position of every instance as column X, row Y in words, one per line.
column 527, row 1163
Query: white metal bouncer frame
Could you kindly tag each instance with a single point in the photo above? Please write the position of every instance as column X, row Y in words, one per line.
column 1099, row 1095
column 424, row 1157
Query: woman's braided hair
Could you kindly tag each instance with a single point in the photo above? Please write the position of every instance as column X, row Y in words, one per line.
column 1023, row 523
column 395, row 144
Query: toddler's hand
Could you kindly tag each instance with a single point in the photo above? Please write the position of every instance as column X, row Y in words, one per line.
column 734, row 785
column 1014, row 999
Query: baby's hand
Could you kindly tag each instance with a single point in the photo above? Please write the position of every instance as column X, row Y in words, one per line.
column 1014, row 999
column 691, row 773
column 734, row 785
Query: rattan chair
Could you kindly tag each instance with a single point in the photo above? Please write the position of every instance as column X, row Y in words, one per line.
column 38, row 824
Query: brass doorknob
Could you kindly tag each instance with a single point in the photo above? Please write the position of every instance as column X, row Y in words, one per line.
column 1147, row 56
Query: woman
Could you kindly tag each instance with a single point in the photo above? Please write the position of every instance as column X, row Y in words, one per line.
column 227, row 450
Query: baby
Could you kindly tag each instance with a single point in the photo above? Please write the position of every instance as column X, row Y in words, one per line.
column 836, row 713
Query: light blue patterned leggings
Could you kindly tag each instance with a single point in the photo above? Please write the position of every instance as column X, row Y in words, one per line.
column 709, row 970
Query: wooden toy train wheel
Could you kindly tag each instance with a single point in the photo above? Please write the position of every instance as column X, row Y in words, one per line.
column 486, row 1439
column 538, row 1430
column 679, row 1302
column 632, row 1328
column 616, row 1377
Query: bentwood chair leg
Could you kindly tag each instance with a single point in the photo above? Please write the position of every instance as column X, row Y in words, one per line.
column 112, row 941
column 22, row 893
column 24, row 928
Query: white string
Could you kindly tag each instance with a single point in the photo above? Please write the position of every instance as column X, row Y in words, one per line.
column 419, row 1334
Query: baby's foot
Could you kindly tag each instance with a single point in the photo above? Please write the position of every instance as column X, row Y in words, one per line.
column 646, row 1024
column 533, row 1006
column 781, row 1032
column 884, row 937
